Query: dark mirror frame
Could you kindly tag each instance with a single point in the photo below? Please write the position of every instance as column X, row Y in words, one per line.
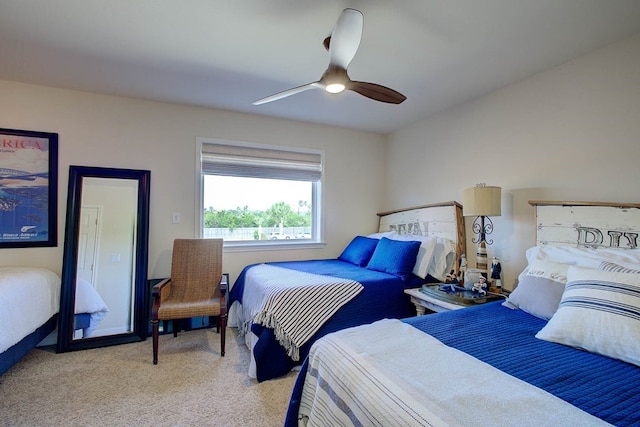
column 69, row 263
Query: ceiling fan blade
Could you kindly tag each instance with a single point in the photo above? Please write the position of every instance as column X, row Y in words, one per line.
column 377, row 92
column 289, row 92
column 345, row 38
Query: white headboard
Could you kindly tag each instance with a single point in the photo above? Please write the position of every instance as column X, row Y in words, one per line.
column 438, row 220
column 587, row 224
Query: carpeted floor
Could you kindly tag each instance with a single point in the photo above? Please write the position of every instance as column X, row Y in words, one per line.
column 119, row 386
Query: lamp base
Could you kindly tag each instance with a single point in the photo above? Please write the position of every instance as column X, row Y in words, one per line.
column 481, row 257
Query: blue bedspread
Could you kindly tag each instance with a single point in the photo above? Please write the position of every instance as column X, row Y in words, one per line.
column 504, row 338
column 383, row 297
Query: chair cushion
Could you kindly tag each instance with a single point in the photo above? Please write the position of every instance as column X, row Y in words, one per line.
column 183, row 310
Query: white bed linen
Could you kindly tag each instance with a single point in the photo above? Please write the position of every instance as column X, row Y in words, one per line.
column 88, row 300
column 28, row 298
column 391, row 374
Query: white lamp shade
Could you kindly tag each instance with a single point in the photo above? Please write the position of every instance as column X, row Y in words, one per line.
column 482, row 201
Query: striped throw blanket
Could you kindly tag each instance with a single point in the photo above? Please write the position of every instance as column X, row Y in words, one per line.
column 294, row 304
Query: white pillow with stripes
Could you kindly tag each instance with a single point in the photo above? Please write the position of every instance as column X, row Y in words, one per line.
column 599, row 312
column 611, row 266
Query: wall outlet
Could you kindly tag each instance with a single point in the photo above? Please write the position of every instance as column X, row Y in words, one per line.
column 176, row 218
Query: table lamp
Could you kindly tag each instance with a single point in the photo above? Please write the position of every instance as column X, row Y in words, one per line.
column 482, row 201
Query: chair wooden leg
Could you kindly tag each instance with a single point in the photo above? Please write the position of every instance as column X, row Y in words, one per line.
column 223, row 329
column 212, row 320
column 177, row 324
column 154, row 323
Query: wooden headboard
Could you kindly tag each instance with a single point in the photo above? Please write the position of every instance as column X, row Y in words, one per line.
column 587, row 224
column 437, row 220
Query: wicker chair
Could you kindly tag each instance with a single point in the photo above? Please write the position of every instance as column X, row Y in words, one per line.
column 197, row 287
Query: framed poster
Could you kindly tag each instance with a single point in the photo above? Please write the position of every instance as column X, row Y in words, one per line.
column 28, row 188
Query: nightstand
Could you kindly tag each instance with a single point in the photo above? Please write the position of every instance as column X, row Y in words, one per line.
column 436, row 301
column 425, row 302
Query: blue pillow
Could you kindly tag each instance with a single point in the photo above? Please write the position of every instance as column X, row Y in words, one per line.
column 395, row 257
column 359, row 251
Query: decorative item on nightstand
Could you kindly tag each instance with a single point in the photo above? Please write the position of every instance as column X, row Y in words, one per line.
column 496, row 270
column 482, row 201
column 462, row 269
column 472, row 277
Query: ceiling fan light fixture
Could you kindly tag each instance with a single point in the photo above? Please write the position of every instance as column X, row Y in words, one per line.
column 335, row 79
column 334, row 88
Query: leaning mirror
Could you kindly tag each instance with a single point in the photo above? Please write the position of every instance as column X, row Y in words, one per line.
column 104, row 297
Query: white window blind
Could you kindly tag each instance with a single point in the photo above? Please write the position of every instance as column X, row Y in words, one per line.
column 256, row 162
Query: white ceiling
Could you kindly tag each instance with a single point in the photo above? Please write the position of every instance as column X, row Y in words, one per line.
column 228, row 53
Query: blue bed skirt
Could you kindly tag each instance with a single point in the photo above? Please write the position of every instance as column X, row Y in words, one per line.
column 505, row 338
column 81, row 321
column 16, row 352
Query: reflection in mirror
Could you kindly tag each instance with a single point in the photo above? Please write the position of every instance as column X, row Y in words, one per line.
column 106, row 267
column 104, row 293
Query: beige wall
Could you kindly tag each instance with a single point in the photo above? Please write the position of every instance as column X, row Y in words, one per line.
column 98, row 130
column 570, row 133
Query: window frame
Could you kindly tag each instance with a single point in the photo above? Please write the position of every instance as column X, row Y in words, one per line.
column 317, row 197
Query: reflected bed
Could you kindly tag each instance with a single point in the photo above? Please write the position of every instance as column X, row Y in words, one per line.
column 89, row 309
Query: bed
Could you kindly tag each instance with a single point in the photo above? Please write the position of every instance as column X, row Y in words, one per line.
column 29, row 301
column 564, row 349
column 89, row 310
column 282, row 308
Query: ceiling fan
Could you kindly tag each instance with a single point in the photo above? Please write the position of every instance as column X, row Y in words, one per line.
column 342, row 45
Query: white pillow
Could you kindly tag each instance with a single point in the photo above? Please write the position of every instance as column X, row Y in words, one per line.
column 586, row 257
column 444, row 256
column 554, row 271
column 599, row 312
column 611, row 266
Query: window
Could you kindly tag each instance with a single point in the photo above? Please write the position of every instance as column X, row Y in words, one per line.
column 259, row 195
